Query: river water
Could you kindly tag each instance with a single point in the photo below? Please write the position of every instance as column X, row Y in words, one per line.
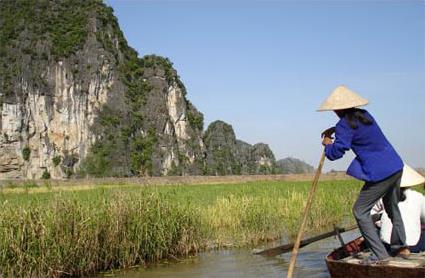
column 241, row 263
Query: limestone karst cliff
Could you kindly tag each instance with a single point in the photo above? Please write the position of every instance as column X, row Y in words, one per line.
column 228, row 156
column 76, row 99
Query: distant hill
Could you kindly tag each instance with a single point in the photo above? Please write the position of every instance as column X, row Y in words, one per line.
column 226, row 155
column 292, row 165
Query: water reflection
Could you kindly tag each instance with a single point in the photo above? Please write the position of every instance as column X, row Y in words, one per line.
column 241, row 263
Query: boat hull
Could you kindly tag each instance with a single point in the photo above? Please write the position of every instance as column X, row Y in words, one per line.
column 339, row 268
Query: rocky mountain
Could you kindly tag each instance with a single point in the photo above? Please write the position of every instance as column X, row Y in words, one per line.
column 263, row 158
column 76, row 99
column 228, row 156
column 292, row 165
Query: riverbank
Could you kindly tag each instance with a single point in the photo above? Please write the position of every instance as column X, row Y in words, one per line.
column 77, row 232
column 169, row 180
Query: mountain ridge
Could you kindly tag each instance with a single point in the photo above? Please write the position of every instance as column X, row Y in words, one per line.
column 77, row 101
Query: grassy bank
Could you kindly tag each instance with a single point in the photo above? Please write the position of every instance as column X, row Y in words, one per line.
column 56, row 233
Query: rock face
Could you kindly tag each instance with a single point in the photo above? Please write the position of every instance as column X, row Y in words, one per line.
column 220, row 142
column 263, row 159
column 76, row 99
column 228, row 156
column 292, row 165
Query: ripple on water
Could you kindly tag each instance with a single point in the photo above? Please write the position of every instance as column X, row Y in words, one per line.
column 242, row 264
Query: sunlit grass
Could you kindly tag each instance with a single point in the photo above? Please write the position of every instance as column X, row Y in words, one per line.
column 55, row 233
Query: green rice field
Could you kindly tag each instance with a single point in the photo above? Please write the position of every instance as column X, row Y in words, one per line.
column 74, row 232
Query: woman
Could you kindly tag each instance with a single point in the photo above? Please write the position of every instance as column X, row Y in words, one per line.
column 376, row 163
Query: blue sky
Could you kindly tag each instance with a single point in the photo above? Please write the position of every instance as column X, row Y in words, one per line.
column 265, row 66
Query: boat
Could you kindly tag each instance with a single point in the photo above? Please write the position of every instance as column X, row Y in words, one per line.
column 347, row 262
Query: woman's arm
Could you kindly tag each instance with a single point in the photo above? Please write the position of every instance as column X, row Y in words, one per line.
column 342, row 143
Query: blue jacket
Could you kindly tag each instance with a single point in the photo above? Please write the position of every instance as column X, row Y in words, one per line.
column 375, row 158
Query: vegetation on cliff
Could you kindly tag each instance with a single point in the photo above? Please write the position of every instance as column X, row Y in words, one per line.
column 135, row 131
column 39, row 30
column 129, row 143
column 84, row 36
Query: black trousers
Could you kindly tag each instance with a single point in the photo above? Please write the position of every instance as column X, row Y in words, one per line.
column 389, row 191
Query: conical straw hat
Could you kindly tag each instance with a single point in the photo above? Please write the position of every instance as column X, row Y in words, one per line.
column 342, row 98
column 410, row 177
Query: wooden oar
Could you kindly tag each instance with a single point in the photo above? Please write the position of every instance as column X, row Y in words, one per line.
column 288, row 247
column 306, row 210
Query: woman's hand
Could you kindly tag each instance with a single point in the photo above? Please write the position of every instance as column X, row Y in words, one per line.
column 328, row 132
column 326, row 141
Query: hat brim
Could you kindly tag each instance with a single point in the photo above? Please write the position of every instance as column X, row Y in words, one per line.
column 323, row 109
column 410, row 177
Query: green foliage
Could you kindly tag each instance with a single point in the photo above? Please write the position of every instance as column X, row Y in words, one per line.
column 123, row 149
column 45, row 175
column 64, row 24
column 56, row 160
column 141, row 156
column 137, row 87
column 82, row 232
column 69, row 172
column 69, row 28
column 103, row 153
column 223, row 161
column 68, row 162
column 26, row 152
column 106, row 21
column 30, row 184
column 42, row 30
column 196, row 120
column 97, row 163
column 129, row 135
column 123, row 131
column 265, row 170
column 175, row 170
column 154, row 61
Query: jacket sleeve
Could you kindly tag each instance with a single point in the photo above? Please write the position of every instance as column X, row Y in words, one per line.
column 342, row 143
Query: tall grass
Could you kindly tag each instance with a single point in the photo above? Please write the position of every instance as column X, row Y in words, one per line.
column 80, row 232
column 274, row 213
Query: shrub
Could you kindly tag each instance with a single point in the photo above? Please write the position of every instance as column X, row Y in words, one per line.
column 196, row 120
column 56, row 160
column 26, row 152
column 142, row 151
column 69, row 172
column 46, row 175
